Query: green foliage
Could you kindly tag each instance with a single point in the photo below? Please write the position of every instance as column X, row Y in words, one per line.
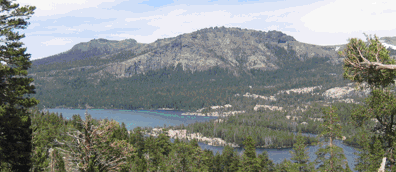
column 374, row 77
column 94, row 149
column 171, row 87
column 46, row 128
column 271, row 129
column 286, row 166
column 250, row 161
column 229, row 161
column 300, row 155
column 266, row 164
column 331, row 127
column 331, row 130
column 15, row 131
column 137, row 140
column 381, row 106
column 371, row 153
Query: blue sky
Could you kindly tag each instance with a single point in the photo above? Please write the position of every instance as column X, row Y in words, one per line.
column 57, row 25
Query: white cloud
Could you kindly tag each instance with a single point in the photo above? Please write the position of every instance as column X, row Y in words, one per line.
column 324, row 22
column 58, row 41
column 51, row 7
column 351, row 16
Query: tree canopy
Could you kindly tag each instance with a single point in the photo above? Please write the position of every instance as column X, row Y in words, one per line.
column 15, row 131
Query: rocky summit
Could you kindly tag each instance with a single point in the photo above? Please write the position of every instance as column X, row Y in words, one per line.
column 231, row 48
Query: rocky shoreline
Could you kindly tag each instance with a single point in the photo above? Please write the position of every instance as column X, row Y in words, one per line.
column 217, row 114
column 182, row 134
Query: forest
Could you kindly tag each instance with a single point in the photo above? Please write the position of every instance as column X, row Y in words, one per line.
column 34, row 140
column 171, row 87
column 59, row 143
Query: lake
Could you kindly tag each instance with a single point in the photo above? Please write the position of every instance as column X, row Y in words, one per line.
column 159, row 118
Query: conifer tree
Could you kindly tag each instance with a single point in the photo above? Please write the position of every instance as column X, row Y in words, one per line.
column 370, row 154
column 250, row 161
column 300, row 155
column 137, row 140
column 235, row 165
column 15, row 131
column 370, row 63
column 217, row 162
column 227, row 158
column 286, row 166
column 265, row 163
column 208, row 159
column 331, row 130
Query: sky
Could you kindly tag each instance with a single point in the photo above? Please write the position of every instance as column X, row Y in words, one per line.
column 57, row 25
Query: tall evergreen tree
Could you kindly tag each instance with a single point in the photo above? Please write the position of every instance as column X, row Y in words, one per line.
column 137, row 140
column 227, row 158
column 300, row 155
column 208, row 159
column 370, row 154
column 15, row 131
column 217, row 162
column 286, row 166
column 266, row 164
column 250, row 161
column 331, row 130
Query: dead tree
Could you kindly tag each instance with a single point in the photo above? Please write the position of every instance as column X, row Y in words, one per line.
column 94, row 148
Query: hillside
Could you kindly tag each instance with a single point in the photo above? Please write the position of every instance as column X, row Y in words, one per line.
column 191, row 71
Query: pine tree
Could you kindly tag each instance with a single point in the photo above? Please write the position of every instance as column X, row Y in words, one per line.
column 370, row 63
column 286, row 166
column 300, row 155
column 227, row 158
column 15, row 131
column 208, row 159
column 235, row 165
column 250, row 161
column 217, row 162
column 371, row 153
column 331, row 130
column 123, row 132
column 137, row 140
column 265, row 163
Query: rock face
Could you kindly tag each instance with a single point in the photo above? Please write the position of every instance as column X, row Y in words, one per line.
column 214, row 113
column 300, row 90
column 182, row 134
column 231, row 48
column 255, row 96
column 267, row 107
column 343, row 92
column 225, row 47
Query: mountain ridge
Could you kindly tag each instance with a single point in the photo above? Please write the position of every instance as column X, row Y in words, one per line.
column 232, row 48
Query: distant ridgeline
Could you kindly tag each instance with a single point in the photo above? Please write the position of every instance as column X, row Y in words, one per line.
column 190, row 71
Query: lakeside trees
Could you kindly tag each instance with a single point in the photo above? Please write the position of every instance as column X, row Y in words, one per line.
column 15, row 121
column 65, row 151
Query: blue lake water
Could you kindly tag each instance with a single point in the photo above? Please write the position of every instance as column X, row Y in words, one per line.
column 159, row 118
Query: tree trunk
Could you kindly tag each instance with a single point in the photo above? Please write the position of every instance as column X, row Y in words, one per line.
column 382, row 167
